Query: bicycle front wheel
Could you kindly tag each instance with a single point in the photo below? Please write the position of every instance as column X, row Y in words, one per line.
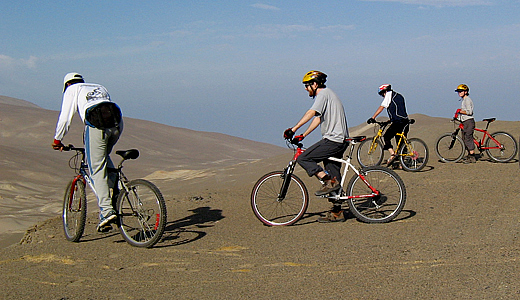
column 383, row 207
column 414, row 155
column 74, row 212
column 273, row 210
column 506, row 149
column 370, row 153
column 142, row 213
column 449, row 148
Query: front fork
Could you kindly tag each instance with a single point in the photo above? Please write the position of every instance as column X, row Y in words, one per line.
column 454, row 137
column 287, row 173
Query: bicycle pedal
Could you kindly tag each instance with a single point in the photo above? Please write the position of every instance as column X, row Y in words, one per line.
column 105, row 228
column 333, row 196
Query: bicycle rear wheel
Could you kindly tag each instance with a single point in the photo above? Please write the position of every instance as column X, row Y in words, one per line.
column 74, row 212
column 508, row 147
column 370, row 153
column 142, row 213
column 382, row 208
column 450, row 148
column 271, row 210
column 414, row 155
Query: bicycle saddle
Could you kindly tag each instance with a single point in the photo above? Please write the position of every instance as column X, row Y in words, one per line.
column 490, row 120
column 356, row 139
column 128, row 154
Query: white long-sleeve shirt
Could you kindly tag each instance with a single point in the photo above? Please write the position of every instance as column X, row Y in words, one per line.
column 78, row 97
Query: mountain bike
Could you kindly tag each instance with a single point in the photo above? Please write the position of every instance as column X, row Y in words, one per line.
column 499, row 146
column 140, row 206
column 374, row 194
column 412, row 153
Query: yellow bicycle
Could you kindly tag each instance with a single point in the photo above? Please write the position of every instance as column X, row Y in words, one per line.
column 412, row 153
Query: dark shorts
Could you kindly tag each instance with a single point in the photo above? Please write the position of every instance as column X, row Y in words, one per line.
column 395, row 128
column 320, row 152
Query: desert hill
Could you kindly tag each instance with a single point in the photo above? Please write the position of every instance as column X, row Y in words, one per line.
column 457, row 237
column 180, row 161
column 33, row 175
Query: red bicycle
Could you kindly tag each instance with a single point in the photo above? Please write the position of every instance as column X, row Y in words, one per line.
column 499, row 146
column 140, row 206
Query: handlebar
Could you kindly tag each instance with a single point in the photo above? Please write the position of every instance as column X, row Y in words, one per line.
column 350, row 139
column 125, row 154
column 71, row 147
column 457, row 113
column 294, row 142
column 385, row 123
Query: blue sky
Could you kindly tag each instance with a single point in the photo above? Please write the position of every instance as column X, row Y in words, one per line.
column 236, row 67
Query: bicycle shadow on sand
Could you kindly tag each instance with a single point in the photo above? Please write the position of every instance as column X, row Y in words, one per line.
column 177, row 232
column 185, row 231
column 309, row 218
column 398, row 167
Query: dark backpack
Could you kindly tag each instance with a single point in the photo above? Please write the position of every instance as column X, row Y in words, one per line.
column 103, row 115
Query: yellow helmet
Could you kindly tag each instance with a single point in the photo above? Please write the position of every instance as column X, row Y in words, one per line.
column 317, row 76
column 462, row 87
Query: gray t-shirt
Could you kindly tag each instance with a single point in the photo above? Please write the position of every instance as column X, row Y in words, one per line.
column 333, row 120
column 467, row 106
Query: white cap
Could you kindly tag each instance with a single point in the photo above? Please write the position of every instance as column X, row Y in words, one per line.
column 69, row 77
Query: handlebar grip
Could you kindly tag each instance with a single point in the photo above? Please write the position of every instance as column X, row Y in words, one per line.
column 68, row 147
column 295, row 142
column 457, row 113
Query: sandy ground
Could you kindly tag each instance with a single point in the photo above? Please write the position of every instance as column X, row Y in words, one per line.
column 33, row 176
column 457, row 237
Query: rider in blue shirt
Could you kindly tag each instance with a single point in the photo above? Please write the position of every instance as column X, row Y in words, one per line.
column 396, row 109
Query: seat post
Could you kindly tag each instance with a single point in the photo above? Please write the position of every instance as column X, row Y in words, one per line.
column 351, row 150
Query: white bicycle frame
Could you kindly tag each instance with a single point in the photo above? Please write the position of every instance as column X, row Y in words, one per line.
column 347, row 163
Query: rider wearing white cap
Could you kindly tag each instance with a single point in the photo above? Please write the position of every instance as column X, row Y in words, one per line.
column 103, row 126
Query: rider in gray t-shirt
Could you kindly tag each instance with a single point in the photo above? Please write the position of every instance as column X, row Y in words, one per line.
column 327, row 112
column 465, row 114
column 330, row 110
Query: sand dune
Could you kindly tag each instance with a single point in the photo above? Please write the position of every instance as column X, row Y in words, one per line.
column 33, row 176
column 457, row 237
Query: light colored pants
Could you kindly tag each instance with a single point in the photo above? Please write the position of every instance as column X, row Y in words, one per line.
column 98, row 145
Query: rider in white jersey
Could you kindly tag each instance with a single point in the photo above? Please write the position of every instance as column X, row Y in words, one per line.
column 103, row 126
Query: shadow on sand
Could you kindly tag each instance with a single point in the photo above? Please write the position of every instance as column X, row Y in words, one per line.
column 308, row 218
column 184, row 230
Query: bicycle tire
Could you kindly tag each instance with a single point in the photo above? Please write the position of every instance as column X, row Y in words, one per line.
column 383, row 208
column 508, row 151
column 273, row 212
column 74, row 213
column 447, row 153
column 141, row 213
column 367, row 157
column 418, row 160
